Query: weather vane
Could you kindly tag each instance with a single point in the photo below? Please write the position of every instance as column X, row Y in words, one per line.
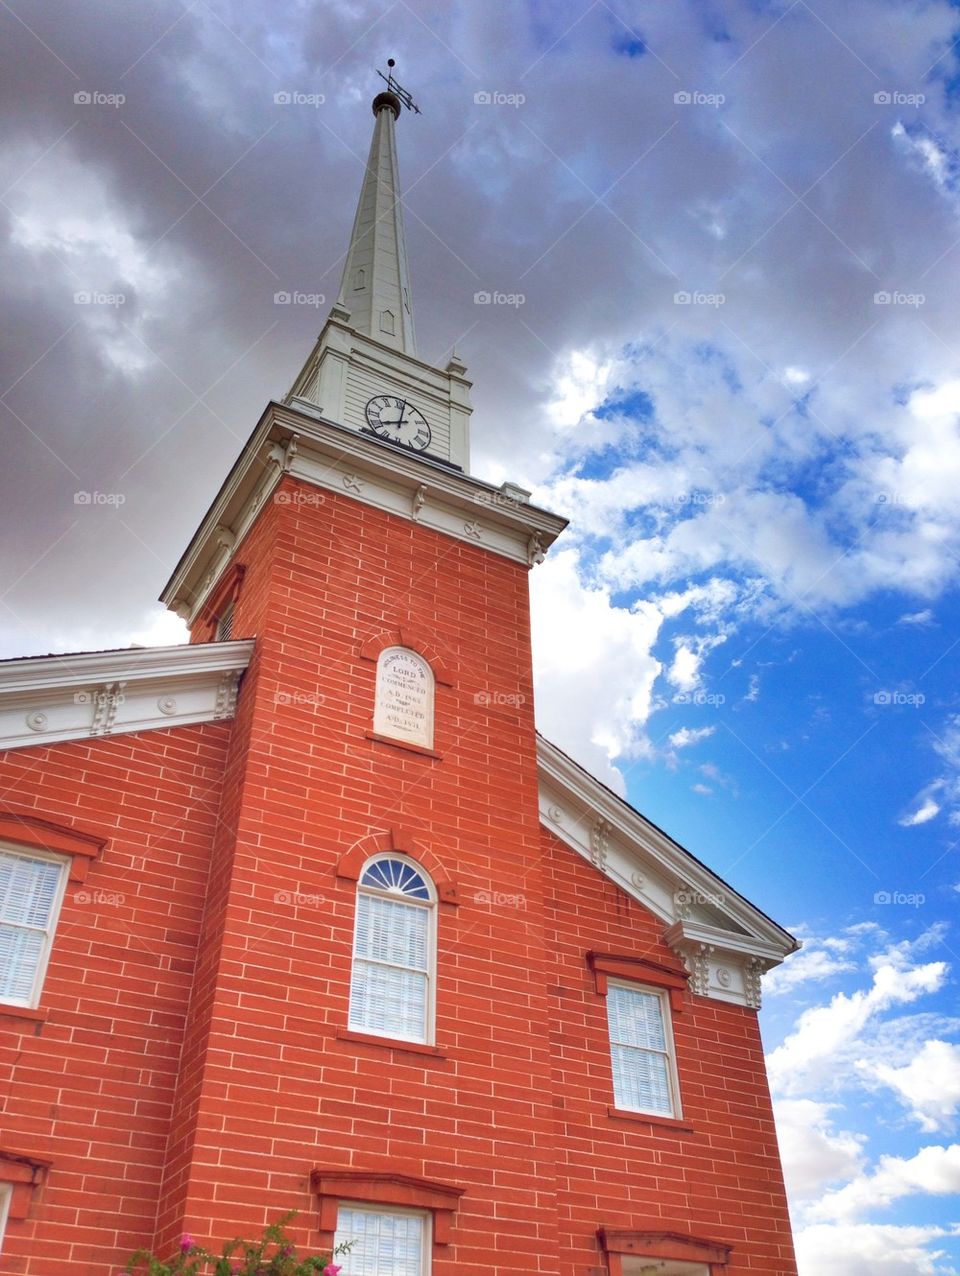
column 398, row 89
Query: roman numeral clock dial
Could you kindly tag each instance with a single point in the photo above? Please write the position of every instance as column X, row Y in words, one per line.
column 399, row 421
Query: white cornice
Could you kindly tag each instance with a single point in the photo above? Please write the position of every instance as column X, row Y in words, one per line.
column 725, row 941
column 334, row 457
column 49, row 699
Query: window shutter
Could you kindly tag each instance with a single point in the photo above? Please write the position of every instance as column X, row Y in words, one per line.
column 385, row 1244
column 29, row 890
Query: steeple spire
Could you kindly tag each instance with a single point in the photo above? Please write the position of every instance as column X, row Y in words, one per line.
column 376, row 283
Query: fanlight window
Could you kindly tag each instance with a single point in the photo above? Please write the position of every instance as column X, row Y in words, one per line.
column 391, row 989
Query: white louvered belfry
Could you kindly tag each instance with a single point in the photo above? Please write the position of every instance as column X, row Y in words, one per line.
column 384, row 1244
column 640, row 1051
column 31, row 888
column 390, row 985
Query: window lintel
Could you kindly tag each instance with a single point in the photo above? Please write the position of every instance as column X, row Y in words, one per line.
column 639, row 970
column 32, row 832
column 402, row 1191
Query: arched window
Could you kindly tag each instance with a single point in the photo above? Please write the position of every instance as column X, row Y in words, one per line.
column 391, row 989
column 403, row 709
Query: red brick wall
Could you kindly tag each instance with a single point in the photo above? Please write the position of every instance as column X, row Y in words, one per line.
column 92, row 1086
column 721, row 1182
column 513, row 1109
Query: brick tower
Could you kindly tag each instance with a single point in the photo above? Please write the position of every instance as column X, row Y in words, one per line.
column 306, row 915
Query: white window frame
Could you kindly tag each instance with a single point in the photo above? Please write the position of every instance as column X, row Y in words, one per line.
column 6, row 1196
column 40, row 974
column 673, row 1076
column 391, row 1211
column 431, row 967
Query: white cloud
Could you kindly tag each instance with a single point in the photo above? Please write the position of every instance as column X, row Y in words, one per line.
column 824, row 1035
column 934, row 1171
column 921, row 618
column 814, row 1154
column 870, row 1249
column 688, row 736
column 814, row 963
column 926, row 811
column 929, row 1085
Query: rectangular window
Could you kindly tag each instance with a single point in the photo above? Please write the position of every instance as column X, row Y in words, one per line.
column 641, row 1051
column 6, row 1192
column 31, row 891
column 384, row 1244
column 389, row 992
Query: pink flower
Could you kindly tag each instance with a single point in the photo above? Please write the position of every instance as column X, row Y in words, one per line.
column 331, row 1269
column 186, row 1243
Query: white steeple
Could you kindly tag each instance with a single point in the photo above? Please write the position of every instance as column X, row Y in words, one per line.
column 376, row 284
column 364, row 372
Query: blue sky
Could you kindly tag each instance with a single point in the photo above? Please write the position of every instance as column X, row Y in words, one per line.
column 732, row 236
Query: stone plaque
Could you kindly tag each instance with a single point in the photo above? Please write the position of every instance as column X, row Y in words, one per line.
column 404, row 703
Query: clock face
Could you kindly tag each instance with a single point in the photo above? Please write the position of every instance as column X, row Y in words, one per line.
column 398, row 420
